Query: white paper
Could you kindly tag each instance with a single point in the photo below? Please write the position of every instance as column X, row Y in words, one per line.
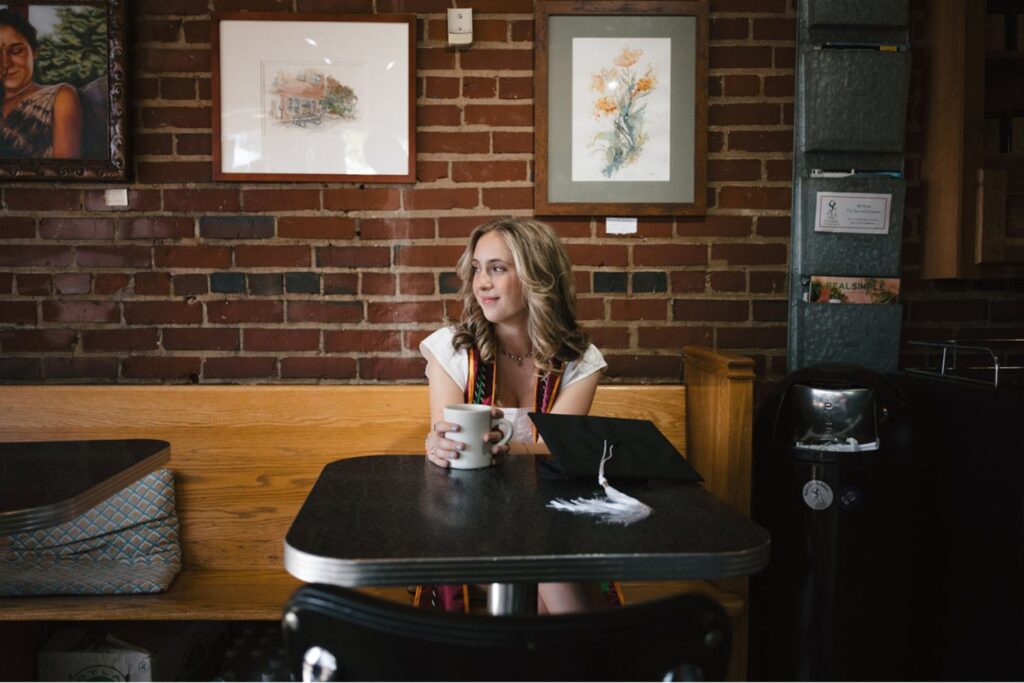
column 621, row 109
column 852, row 212
column 619, row 226
column 116, row 197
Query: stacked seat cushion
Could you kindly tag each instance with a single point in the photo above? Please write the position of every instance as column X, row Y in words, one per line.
column 127, row 544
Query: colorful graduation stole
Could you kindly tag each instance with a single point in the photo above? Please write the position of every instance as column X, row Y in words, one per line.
column 481, row 385
column 481, row 388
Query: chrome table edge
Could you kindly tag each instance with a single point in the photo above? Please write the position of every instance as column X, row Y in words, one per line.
column 397, row 572
column 42, row 516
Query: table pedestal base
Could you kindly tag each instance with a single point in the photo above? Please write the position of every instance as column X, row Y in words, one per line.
column 512, row 598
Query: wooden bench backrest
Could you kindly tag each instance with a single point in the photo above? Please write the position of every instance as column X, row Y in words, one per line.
column 245, row 457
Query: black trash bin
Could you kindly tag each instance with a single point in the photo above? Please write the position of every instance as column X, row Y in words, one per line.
column 832, row 485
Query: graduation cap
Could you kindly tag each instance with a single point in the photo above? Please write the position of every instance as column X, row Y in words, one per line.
column 641, row 451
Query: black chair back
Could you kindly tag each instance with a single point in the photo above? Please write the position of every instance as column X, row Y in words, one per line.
column 337, row 634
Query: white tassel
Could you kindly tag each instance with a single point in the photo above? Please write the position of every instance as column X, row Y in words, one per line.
column 615, row 508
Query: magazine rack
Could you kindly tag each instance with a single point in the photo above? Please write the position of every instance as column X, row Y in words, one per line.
column 853, row 75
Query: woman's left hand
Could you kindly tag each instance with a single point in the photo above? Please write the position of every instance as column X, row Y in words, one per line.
column 492, row 438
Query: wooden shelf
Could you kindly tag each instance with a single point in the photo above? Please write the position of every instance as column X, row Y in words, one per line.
column 970, row 195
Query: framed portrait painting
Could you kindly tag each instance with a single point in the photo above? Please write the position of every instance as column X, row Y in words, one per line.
column 314, row 97
column 64, row 89
column 621, row 108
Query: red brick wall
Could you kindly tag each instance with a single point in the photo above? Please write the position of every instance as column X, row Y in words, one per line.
column 244, row 282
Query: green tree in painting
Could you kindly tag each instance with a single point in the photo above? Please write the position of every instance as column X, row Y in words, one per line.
column 76, row 51
column 340, row 100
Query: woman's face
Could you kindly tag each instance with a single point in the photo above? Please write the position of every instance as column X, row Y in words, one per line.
column 496, row 284
column 16, row 60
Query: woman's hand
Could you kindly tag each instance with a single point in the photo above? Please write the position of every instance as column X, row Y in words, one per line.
column 492, row 438
column 440, row 450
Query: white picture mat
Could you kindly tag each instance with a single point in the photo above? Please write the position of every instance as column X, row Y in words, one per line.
column 590, row 56
column 852, row 212
column 375, row 143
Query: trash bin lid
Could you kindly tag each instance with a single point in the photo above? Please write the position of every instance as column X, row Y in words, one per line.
column 820, row 418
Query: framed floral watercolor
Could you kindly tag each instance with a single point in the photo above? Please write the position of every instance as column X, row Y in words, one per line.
column 314, row 98
column 621, row 108
column 64, row 89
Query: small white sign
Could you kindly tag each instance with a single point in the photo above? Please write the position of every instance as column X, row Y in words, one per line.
column 619, row 226
column 853, row 212
column 116, row 197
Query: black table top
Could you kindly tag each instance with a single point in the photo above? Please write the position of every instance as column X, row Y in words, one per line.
column 397, row 519
column 49, row 482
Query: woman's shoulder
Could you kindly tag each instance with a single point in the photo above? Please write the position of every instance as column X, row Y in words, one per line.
column 593, row 353
column 590, row 362
column 53, row 89
column 592, row 357
column 65, row 90
column 44, row 93
column 48, row 96
column 66, row 96
column 441, row 336
column 438, row 345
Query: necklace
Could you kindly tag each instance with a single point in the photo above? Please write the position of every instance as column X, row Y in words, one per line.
column 517, row 357
column 17, row 93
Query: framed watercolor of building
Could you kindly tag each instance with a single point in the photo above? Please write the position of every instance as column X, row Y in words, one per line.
column 313, row 98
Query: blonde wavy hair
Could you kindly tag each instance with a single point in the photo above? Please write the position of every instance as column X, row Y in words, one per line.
column 549, row 291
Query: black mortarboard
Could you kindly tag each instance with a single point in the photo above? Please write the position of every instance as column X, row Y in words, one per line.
column 641, row 451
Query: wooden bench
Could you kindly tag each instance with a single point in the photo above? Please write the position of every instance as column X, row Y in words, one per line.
column 244, row 458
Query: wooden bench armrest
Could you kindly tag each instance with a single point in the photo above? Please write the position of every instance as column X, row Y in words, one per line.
column 719, row 419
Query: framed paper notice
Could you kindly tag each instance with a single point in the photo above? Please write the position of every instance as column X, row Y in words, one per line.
column 310, row 97
column 853, row 212
column 621, row 108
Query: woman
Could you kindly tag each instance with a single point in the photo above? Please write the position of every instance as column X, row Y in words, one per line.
column 519, row 342
column 39, row 121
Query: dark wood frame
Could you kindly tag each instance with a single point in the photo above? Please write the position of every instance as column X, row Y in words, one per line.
column 218, row 174
column 115, row 166
column 544, row 11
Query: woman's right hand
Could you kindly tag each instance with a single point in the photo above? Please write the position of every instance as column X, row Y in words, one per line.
column 440, row 450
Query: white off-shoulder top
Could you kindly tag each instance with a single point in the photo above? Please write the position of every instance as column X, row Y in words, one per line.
column 456, row 364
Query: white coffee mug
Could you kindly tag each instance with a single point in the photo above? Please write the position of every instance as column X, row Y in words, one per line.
column 474, row 422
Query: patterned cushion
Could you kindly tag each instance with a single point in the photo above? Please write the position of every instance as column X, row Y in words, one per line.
column 126, row 544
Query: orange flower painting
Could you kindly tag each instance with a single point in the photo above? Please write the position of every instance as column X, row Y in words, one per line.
column 621, row 93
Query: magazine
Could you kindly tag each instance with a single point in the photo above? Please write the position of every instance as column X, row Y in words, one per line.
column 828, row 289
